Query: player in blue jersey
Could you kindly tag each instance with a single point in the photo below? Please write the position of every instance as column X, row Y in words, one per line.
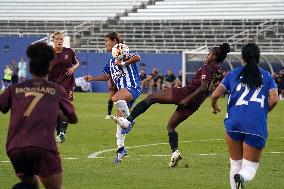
column 125, row 76
column 252, row 94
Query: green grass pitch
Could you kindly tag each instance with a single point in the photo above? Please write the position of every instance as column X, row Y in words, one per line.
column 201, row 145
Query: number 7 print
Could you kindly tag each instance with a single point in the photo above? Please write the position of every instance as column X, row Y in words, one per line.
column 37, row 98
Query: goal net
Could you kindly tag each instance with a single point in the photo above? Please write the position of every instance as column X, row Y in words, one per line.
column 193, row 60
column 48, row 39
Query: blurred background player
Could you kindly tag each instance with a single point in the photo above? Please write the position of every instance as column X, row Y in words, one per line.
column 63, row 67
column 15, row 70
column 253, row 93
column 7, row 77
column 22, row 65
column 125, row 75
column 35, row 105
column 188, row 98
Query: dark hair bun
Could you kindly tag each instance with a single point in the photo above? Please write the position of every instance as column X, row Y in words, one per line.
column 225, row 48
column 40, row 51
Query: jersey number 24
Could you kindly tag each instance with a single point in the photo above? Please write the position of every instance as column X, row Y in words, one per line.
column 254, row 97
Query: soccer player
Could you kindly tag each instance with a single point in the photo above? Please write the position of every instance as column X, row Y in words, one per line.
column 35, row 105
column 63, row 67
column 188, row 98
column 125, row 75
column 252, row 94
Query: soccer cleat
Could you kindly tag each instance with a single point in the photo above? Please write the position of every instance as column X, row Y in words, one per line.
column 61, row 137
column 108, row 117
column 127, row 130
column 175, row 158
column 121, row 152
column 123, row 122
column 239, row 180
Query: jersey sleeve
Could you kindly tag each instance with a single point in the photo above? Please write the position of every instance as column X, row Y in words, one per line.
column 107, row 69
column 206, row 74
column 65, row 104
column 132, row 54
column 74, row 57
column 6, row 100
column 225, row 82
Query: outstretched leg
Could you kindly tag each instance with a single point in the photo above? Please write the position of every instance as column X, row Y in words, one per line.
column 179, row 116
column 162, row 97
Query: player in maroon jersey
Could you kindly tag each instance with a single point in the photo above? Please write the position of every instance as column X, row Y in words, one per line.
column 35, row 105
column 63, row 67
column 188, row 98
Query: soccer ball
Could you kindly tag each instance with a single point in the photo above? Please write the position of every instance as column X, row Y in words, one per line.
column 120, row 51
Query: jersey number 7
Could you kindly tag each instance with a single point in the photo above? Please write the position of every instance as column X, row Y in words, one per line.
column 33, row 104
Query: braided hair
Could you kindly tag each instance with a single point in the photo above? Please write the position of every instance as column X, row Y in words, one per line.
column 221, row 52
column 250, row 74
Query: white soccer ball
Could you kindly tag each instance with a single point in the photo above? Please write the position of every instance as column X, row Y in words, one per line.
column 120, row 51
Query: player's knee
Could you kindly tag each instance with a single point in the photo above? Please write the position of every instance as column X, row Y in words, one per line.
column 248, row 170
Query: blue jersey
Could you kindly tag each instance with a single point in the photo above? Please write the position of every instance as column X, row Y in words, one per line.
column 247, row 108
column 124, row 76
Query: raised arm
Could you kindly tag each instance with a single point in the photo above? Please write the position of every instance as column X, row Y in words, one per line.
column 104, row 77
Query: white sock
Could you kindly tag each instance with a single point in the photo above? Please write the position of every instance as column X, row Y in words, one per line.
column 236, row 166
column 248, row 170
column 119, row 137
column 122, row 106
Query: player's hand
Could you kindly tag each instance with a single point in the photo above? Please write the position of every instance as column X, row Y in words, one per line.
column 216, row 109
column 88, row 78
column 70, row 71
column 119, row 62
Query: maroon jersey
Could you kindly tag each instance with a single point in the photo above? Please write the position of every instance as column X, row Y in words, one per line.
column 34, row 108
column 63, row 60
column 211, row 74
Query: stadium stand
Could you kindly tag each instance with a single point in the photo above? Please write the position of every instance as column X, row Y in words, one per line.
column 150, row 25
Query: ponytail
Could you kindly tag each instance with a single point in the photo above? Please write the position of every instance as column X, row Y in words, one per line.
column 251, row 75
column 114, row 36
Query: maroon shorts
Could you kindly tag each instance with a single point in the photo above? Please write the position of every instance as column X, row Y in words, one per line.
column 35, row 161
column 178, row 95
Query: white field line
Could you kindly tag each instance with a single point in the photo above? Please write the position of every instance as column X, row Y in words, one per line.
column 96, row 154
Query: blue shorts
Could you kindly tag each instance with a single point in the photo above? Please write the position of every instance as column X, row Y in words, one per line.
column 252, row 140
column 135, row 92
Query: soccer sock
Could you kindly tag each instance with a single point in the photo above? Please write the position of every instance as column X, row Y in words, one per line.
column 140, row 108
column 236, row 166
column 173, row 140
column 248, row 170
column 119, row 137
column 109, row 107
column 63, row 126
column 58, row 126
column 122, row 106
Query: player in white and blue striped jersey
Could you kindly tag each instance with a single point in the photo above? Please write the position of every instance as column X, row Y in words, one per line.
column 121, row 68
column 125, row 75
column 252, row 94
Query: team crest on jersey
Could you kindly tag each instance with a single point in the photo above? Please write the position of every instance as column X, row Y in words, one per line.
column 66, row 56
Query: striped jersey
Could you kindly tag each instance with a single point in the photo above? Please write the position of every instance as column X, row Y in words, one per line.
column 123, row 76
column 247, row 108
